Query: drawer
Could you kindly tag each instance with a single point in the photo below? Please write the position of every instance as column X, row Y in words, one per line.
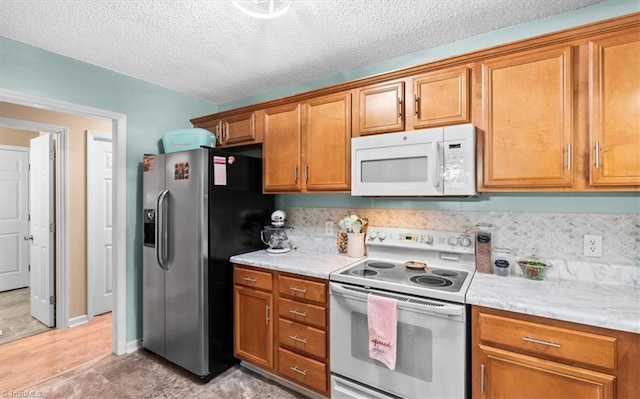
column 303, row 312
column 300, row 369
column 304, row 339
column 252, row 278
column 302, row 289
column 540, row 339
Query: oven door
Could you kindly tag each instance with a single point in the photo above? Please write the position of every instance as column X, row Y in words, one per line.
column 431, row 345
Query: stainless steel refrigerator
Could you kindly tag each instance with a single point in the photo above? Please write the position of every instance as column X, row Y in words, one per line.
column 199, row 208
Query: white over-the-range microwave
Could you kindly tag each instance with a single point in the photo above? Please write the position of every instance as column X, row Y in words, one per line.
column 428, row 162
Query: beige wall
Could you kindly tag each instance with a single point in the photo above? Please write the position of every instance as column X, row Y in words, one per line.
column 77, row 192
column 17, row 137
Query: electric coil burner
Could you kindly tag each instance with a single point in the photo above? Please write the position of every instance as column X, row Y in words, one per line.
column 449, row 256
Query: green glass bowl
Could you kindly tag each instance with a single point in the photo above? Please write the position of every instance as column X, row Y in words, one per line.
column 533, row 270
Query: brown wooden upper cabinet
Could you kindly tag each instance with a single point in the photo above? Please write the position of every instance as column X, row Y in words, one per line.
column 527, row 102
column 379, row 108
column 430, row 99
column 307, row 145
column 239, row 129
column 614, row 109
column 441, row 98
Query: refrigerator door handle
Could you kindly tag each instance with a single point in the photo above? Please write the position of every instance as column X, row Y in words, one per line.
column 161, row 230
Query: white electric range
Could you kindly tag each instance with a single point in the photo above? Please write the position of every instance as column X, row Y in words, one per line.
column 432, row 330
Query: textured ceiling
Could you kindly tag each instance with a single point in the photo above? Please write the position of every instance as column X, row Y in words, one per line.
column 208, row 49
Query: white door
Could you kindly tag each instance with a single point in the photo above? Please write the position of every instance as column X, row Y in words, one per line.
column 42, row 229
column 14, row 217
column 99, row 222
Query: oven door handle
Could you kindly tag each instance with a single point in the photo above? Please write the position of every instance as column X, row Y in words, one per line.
column 404, row 301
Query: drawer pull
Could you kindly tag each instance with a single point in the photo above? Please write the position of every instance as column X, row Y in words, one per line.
column 536, row 341
column 298, row 313
column 297, row 370
column 295, row 338
column 296, row 289
column 250, row 279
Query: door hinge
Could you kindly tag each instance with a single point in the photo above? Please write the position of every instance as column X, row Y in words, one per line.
column 29, row 217
column 52, row 227
column 29, row 267
column 52, row 155
column 52, row 300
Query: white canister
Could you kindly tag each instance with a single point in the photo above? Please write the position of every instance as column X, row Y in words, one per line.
column 355, row 245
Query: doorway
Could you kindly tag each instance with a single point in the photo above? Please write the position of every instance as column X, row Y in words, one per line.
column 62, row 210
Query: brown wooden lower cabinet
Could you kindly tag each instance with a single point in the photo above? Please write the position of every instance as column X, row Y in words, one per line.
column 308, row 372
column 521, row 356
column 281, row 325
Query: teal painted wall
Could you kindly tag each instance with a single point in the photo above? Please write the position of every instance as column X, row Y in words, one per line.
column 150, row 110
column 582, row 202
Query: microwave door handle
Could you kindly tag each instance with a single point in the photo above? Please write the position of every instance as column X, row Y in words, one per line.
column 437, row 173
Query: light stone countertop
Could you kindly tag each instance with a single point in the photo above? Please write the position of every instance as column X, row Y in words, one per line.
column 298, row 261
column 557, row 296
column 603, row 305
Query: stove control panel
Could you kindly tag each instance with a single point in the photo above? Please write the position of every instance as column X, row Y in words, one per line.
column 450, row 241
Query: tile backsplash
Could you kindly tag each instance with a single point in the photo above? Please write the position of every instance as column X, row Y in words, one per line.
column 557, row 237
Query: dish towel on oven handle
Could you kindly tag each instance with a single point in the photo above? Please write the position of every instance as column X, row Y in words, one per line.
column 382, row 320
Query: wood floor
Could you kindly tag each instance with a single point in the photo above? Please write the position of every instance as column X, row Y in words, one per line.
column 32, row 360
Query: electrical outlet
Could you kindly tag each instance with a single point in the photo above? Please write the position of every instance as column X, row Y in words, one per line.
column 593, row 245
column 328, row 228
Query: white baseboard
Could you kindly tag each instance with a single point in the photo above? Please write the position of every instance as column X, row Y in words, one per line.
column 133, row 346
column 76, row 321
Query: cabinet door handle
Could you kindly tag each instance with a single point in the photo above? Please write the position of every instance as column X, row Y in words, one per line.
column 306, row 172
column 297, row 313
column 297, row 370
column 295, row 338
column 536, row 341
column 296, row 289
column 218, row 135
column 266, row 314
column 417, row 105
column 596, row 154
column 482, row 379
column 399, row 108
column 569, row 157
column 249, row 279
column 295, row 174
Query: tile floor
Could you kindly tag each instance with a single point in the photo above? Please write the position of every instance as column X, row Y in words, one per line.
column 144, row 375
column 15, row 316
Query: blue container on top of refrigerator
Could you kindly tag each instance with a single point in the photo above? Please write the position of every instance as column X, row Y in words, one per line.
column 187, row 139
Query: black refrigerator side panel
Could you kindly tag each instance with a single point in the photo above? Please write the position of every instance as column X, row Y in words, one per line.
column 238, row 211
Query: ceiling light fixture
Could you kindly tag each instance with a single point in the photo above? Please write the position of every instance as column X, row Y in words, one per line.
column 264, row 9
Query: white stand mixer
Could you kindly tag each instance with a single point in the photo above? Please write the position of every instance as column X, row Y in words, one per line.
column 275, row 236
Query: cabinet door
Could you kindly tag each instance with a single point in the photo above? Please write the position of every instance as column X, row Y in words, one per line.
column 614, row 110
column 253, row 326
column 441, row 98
column 282, row 148
column 510, row 375
column 527, row 112
column 380, row 108
column 327, row 131
column 239, row 129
